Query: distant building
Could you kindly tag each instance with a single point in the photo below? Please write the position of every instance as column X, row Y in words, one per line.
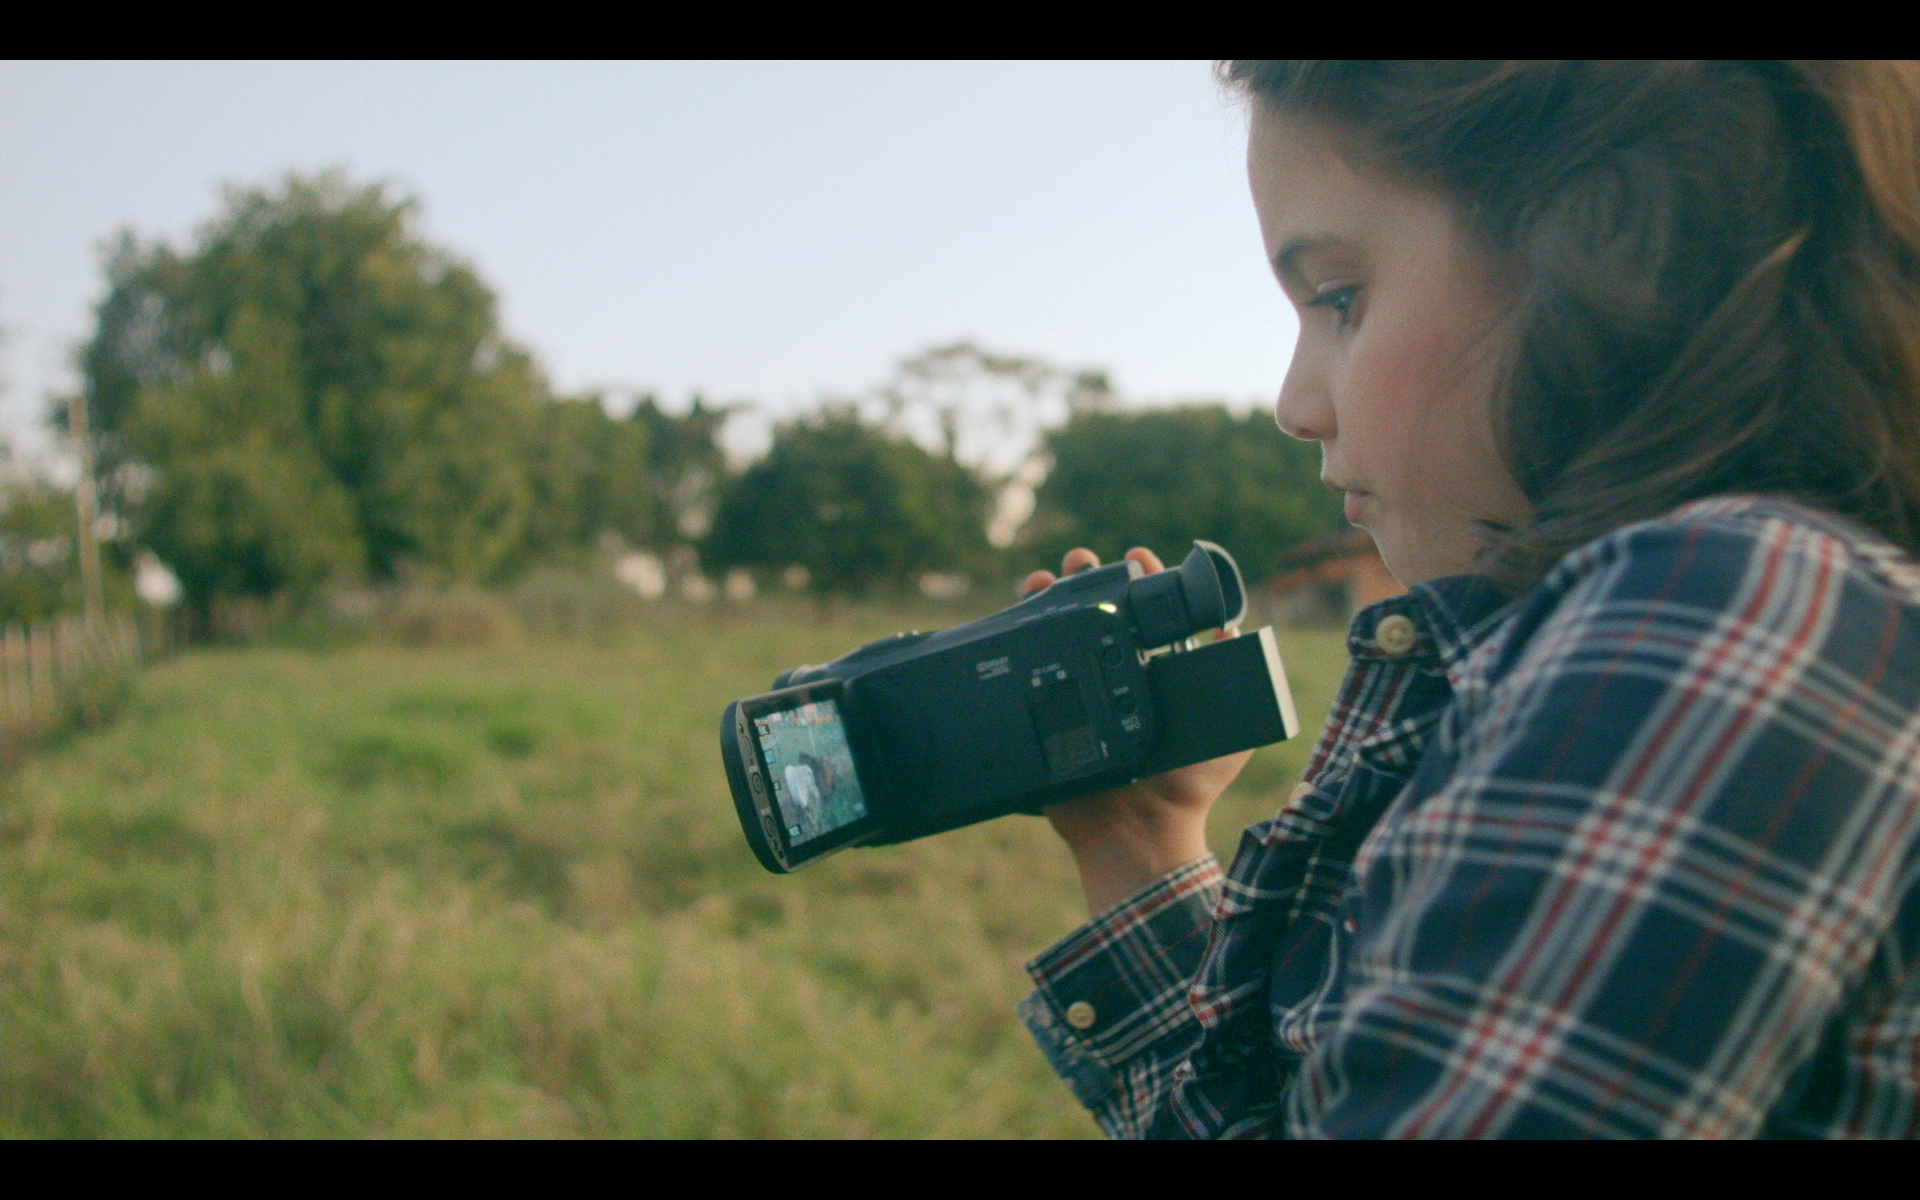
column 1324, row 582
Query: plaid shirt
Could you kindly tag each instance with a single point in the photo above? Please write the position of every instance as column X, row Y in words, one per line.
column 1634, row 855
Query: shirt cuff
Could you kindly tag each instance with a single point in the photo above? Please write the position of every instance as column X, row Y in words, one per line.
column 1117, row 986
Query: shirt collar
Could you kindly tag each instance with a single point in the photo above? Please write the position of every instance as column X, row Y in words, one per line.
column 1451, row 618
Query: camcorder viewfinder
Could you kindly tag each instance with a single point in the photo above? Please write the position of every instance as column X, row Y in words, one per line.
column 1094, row 682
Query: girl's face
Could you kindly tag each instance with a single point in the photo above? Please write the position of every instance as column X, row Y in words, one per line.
column 1400, row 341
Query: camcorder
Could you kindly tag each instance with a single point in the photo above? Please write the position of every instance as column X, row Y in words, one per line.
column 1094, row 682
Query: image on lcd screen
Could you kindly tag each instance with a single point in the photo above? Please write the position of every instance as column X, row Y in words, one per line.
column 811, row 768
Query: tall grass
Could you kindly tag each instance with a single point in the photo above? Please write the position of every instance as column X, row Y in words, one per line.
column 477, row 891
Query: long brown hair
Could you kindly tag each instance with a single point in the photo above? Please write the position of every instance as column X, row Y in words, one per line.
column 1715, row 270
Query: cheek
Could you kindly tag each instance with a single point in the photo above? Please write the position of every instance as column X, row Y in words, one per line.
column 1403, row 404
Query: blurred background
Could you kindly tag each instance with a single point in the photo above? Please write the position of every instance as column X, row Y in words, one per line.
column 403, row 465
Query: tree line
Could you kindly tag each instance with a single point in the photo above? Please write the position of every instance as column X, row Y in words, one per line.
column 312, row 394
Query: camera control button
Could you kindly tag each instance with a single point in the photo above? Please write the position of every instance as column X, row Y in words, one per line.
column 1113, row 656
column 1395, row 635
column 1123, row 703
column 1080, row 1015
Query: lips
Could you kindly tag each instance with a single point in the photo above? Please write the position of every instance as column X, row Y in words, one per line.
column 1355, row 498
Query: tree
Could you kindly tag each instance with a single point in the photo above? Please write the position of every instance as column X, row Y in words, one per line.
column 989, row 411
column 1163, row 477
column 589, row 477
column 858, row 507
column 685, row 468
column 37, row 577
column 39, row 569
column 650, row 478
column 311, row 391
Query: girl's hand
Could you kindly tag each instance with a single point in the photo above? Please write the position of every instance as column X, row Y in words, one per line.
column 1124, row 839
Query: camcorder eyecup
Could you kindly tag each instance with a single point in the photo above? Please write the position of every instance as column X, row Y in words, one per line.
column 1089, row 684
column 1233, row 589
column 1204, row 592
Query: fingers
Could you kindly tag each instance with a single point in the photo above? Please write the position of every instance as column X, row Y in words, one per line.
column 1081, row 559
column 1077, row 560
column 1037, row 582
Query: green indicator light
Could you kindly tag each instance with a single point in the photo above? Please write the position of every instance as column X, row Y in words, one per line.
column 1106, row 607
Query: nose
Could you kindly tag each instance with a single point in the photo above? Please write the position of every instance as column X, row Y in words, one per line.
column 1304, row 410
column 1292, row 429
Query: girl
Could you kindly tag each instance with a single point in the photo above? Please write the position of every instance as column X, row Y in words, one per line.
column 1614, row 829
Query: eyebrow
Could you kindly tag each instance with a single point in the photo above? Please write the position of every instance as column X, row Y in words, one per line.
column 1286, row 263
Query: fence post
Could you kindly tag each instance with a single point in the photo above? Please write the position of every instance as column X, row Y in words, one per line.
column 38, row 667
column 67, row 644
column 19, row 710
column 45, row 660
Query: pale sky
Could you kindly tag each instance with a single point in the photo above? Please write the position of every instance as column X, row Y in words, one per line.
column 755, row 232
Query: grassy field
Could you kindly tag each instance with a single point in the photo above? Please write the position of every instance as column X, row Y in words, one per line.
column 500, row 892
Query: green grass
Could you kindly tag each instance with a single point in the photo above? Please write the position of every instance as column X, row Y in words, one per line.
column 500, row 892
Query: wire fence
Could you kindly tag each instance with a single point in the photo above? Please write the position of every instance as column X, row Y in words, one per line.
column 46, row 665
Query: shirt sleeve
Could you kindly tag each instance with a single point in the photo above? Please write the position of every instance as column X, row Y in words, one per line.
column 1635, row 889
column 1109, row 1006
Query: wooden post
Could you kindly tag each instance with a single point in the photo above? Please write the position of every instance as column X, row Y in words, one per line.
column 38, row 668
column 19, row 709
column 22, row 669
column 84, row 502
column 65, row 652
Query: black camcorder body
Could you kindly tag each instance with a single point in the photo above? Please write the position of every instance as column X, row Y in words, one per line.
column 1094, row 682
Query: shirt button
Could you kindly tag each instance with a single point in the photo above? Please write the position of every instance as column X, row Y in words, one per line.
column 1395, row 635
column 1080, row 1015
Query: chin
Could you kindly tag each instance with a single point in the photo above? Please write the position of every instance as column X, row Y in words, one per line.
column 1406, row 568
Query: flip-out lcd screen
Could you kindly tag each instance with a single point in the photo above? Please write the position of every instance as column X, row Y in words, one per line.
column 810, row 768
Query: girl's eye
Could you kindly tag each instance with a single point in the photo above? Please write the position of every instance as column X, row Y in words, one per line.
column 1339, row 300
